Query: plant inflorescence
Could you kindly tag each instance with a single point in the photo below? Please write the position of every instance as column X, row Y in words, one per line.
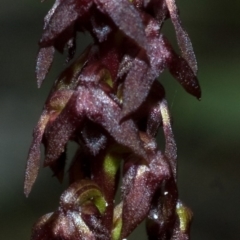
column 109, row 101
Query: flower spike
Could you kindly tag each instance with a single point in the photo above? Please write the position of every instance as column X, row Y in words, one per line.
column 110, row 102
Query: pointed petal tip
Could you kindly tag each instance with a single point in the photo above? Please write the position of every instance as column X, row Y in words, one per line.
column 31, row 174
column 39, row 82
column 195, row 92
column 31, row 171
column 26, row 193
column 199, row 96
column 199, row 93
column 27, row 187
column 44, row 62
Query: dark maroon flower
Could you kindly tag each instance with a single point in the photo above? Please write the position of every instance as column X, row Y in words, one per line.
column 110, row 102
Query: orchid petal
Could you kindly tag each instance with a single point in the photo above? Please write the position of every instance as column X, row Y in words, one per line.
column 183, row 39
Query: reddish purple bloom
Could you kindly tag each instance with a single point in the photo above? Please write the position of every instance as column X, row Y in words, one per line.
column 111, row 104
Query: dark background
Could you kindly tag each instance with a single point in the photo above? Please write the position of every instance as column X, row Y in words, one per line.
column 207, row 131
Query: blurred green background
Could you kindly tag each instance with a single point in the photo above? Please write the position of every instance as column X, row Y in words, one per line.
column 207, row 131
